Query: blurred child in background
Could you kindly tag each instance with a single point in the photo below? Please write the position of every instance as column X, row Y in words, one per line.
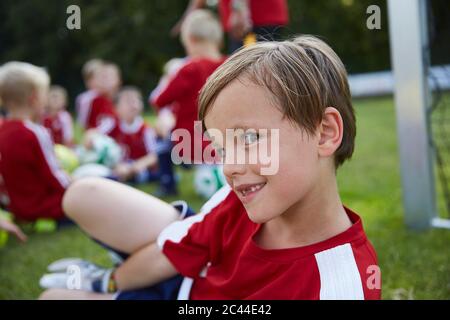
column 201, row 36
column 99, row 112
column 136, row 138
column 83, row 101
column 57, row 120
column 33, row 181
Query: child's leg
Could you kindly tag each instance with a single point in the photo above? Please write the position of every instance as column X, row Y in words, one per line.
column 66, row 294
column 122, row 217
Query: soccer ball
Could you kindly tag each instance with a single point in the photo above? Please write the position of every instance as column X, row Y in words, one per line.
column 208, row 179
column 67, row 158
column 105, row 151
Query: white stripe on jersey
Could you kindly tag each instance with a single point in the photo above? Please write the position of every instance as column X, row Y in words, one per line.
column 67, row 128
column 106, row 125
column 177, row 230
column 339, row 275
column 46, row 144
column 150, row 140
column 83, row 106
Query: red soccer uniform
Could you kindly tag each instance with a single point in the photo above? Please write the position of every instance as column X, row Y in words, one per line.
column 181, row 91
column 29, row 171
column 60, row 127
column 96, row 111
column 263, row 13
column 216, row 253
column 136, row 139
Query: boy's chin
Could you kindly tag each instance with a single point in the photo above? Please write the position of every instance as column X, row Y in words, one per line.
column 257, row 216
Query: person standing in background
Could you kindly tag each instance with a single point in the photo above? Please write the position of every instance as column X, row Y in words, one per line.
column 246, row 21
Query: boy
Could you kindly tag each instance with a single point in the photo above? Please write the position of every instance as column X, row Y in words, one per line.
column 57, row 120
column 136, row 138
column 283, row 235
column 30, row 173
column 99, row 113
column 83, row 101
column 201, row 36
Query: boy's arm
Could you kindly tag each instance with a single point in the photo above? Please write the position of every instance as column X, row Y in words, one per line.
column 173, row 88
column 144, row 268
column 44, row 159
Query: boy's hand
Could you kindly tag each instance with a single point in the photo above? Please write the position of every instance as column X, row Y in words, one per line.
column 12, row 228
column 123, row 171
column 77, row 274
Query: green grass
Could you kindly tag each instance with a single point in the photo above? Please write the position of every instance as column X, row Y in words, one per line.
column 414, row 265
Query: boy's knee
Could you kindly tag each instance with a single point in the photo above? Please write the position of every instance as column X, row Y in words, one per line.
column 77, row 194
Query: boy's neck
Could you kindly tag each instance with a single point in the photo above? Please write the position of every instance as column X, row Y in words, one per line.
column 21, row 113
column 205, row 50
column 319, row 216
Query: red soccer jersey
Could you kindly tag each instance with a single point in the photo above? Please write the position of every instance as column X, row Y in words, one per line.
column 263, row 13
column 181, row 91
column 216, row 253
column 29, row 171
column 60, row 127
column 136, row 139
column 96, row 111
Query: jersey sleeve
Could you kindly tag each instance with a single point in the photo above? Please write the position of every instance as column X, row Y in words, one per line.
column 45, row 162
column 174, row 87
column 186, row 243
column 150, row 140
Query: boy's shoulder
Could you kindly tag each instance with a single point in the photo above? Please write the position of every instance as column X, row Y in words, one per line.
column 15, row 134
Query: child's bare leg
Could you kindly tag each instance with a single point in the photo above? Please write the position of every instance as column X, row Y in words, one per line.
column 66, row 294
column 118, row 215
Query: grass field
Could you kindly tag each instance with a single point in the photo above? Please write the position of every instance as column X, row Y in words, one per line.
column 414, row 265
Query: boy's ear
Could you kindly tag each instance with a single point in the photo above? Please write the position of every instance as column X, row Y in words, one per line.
column 331, row 130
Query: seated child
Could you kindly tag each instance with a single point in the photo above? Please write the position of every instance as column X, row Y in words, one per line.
column 31, row 175
column 136, row 138
column 83, row 101
column 278, row 230
column 99, row 112
column 57, row 120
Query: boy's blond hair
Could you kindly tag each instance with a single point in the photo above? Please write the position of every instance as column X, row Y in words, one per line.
column 90, row 67
column 304, row 75
column 202, row 25
column 18, row 81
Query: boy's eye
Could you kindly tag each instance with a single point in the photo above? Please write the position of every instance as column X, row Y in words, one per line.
column 221, row 153
column 250, row 138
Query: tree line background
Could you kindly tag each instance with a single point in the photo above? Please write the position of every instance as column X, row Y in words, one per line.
column 135, row 35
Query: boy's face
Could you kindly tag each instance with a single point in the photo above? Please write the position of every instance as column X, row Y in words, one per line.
column 129, row 106
column 56, row 101
column 108, row 80
column 243, row 105
column 38, row 101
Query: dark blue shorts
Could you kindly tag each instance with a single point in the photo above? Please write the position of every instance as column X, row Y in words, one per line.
column 165, row 290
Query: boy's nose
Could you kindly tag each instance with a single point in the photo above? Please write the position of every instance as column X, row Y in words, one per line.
column 232, row 168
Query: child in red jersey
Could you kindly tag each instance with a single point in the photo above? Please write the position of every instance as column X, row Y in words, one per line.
column 98, row 112
column 135, row 137
column 57, row 120
column 278, row 230
column 83, row 101
column 201, row 36
column 30, row 173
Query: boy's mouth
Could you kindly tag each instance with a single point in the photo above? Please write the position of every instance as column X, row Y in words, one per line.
column 248, row 191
